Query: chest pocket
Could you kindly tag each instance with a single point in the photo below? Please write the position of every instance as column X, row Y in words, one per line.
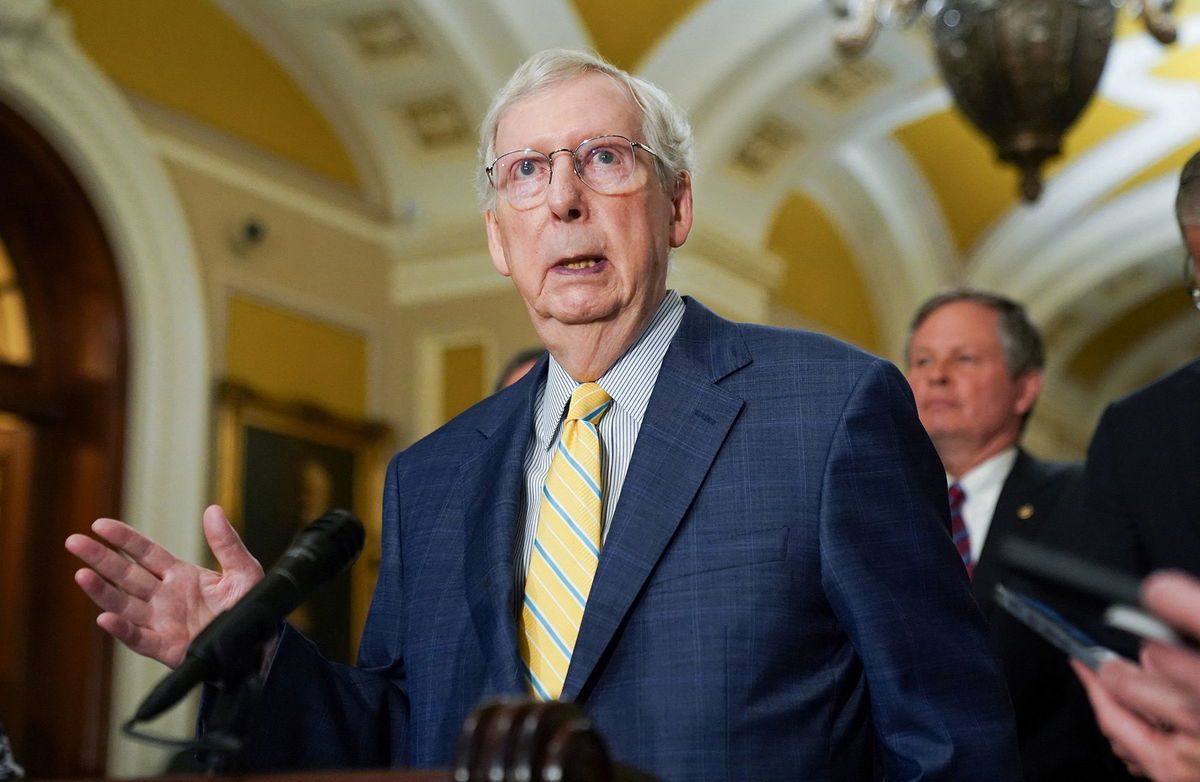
column 705, row 554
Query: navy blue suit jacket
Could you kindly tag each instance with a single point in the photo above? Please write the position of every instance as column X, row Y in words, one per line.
column 1142, row 496
column 777, row 597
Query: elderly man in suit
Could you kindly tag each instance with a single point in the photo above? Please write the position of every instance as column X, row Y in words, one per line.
column 975, row 364
column 727, row 543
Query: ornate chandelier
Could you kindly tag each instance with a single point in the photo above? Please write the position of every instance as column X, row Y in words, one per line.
column 1022, row 71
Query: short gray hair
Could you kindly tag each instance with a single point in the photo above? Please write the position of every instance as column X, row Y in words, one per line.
column 1187, row 200
column 665, row 127
column 1020, row 339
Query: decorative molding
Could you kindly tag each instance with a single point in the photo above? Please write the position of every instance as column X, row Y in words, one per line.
column 845, row 84
column 446, row 277
column 754, row 264
column 23, row 24
column 770, row 143
column 338, row 213
column 430, row 392
column 383, row 35
column 1158, row 353
column 438, row 122
column 735, row 296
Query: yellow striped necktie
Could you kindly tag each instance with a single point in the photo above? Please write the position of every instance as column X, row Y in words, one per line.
column 566, row 547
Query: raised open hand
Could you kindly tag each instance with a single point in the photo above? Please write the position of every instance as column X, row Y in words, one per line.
column 152, row 601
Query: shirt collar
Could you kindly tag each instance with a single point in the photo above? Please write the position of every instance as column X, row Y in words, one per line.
column 629, row 381
column 992, row 471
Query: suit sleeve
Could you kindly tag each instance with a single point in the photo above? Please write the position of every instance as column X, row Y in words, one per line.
column 1107, row 532
column 938, row 700
column 316, row 714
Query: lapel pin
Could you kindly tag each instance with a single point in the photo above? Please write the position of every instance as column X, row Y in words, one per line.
column 1025, row 512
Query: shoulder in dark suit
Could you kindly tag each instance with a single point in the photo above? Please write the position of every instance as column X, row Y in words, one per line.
column 1143, row 494
column 1055, row 725
column 777, row 597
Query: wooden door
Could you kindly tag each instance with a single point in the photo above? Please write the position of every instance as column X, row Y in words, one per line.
column 62, row 418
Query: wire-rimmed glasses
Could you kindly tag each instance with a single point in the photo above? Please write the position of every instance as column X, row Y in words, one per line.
column 607, row 164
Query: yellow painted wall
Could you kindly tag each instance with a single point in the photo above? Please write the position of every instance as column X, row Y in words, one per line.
column 821, row 282
column 188, row 56
column 960, row 165
column 293, row 358
column 462, row 379
column 623, row 32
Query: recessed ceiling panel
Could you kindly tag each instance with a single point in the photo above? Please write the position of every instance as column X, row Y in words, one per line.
column 844, row 84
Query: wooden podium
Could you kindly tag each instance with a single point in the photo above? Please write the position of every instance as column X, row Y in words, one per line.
column 501, row 741
column 380, row 775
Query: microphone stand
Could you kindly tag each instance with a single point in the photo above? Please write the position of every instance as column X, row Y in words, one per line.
column 227, row 723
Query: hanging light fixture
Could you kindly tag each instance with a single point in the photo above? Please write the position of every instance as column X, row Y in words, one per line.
column 1022, row 71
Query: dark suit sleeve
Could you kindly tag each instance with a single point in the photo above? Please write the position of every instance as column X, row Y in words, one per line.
column 1108, row 532
column 895, row 580
column 316, row 714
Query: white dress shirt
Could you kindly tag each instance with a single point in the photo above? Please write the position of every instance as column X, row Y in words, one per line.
column 629, row 382
column 982, row 485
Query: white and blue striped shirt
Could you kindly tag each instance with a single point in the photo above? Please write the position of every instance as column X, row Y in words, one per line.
column 629, row 382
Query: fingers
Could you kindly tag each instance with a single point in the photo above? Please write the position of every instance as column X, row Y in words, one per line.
column 123, row 617
column 1175, row 597
column 231, row 554
column 135, row 545
column 126, row 574
column 151, row 557
column 138, row 639
column 1157, row 699
column 1179, row 669
column 102, row 593
column 1133, row 740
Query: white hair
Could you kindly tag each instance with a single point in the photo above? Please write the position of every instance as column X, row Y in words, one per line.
column 665, row 127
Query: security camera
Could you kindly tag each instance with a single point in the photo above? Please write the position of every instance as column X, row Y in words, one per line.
column 254, row 230
column 249, row 232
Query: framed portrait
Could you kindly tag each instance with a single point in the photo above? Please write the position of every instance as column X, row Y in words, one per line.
column 281, row 466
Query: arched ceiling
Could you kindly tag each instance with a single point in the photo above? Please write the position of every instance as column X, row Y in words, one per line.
column 845, row 192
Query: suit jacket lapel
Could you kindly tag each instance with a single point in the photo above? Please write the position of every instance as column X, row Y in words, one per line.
column 494, row 481
column 686, row 422
column 1021, row 485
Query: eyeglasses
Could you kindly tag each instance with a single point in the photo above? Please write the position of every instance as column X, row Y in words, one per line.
column 607, row 164
column 1189, row 279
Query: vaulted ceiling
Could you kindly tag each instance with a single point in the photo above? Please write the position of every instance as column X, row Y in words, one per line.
column 839, row 193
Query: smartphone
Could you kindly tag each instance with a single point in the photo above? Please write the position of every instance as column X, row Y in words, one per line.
column 1116, row 595
column 1049, row 624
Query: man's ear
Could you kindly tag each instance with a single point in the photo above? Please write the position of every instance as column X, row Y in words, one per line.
column 496, row 243
column 1029, row 386
column 681, row 216
column 1191, row 237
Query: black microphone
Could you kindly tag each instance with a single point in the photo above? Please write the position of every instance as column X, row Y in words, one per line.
column 318, row 553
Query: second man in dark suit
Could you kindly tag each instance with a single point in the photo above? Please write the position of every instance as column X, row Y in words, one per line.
column 975, row 364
